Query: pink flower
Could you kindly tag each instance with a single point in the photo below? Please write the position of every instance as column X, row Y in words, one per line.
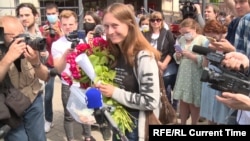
column 84, row 85
column 67, row 78
column 70, row 58
column 100, row 42
column 80, row 48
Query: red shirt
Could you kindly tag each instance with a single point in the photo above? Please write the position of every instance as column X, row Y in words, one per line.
column 49, row 42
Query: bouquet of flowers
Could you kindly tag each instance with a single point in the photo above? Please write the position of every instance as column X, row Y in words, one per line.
column 89, row 64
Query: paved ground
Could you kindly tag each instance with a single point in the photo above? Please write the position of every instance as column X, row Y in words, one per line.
column 57, row 132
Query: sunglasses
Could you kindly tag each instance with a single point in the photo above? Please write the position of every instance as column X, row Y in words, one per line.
column 153, row 20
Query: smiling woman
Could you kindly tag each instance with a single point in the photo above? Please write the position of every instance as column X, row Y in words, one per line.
column 140, row 92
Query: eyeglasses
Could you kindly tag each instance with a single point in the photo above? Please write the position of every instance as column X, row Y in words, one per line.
column 153, row 20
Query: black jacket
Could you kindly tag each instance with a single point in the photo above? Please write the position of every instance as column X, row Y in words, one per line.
column 165, row 43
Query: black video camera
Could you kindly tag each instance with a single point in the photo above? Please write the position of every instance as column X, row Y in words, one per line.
column 38, row 43
column 222, row 79
column 52, row 32
column 1, row 35
column 188, row 9
column 75, row 37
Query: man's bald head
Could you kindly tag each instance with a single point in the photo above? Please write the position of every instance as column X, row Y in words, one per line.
column 12, row 27
column 11, row 22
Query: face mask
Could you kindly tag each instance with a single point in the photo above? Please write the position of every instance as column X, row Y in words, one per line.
column 188, row 36
column 88, row 26
column 52, row 18
column 145, row 28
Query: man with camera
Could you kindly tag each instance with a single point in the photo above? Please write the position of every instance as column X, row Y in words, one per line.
column 235, row 61
column 51, row 31
column 23, row 65
column 28, row 14
column 60, row 49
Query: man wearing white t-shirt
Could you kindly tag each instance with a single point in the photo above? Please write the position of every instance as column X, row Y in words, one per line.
column 60, row 49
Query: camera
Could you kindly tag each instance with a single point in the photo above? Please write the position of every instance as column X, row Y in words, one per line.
column 49, row 28
column 75, row 37
column 98, row 30
column 188, row 9
column 1, row 36
column 222, row 79
column 52, row 32
column 38, row 43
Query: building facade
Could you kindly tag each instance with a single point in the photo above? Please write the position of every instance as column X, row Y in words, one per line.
column 170, row 8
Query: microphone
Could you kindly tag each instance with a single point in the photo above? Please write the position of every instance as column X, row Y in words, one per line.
column 94, row 98
column 98, row 30
column 102, row 114
column 202, row 50
column 211, row 55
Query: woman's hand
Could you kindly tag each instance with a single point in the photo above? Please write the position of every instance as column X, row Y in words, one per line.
column 106, row 89
column 90, row 36
column 178, row 55
column 224, row 45
column 235, row 101
column 162, row 66
column 188, row 54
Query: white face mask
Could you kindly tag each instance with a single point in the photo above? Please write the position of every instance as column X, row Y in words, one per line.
column 52, row 18
column 145, row 28
column 188, row 36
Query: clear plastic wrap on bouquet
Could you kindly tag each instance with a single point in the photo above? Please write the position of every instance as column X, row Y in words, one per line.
column 77, row 106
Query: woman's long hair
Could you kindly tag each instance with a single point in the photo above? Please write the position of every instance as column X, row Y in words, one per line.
column 135, row 41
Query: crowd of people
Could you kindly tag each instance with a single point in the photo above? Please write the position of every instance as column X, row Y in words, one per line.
column 146, row 39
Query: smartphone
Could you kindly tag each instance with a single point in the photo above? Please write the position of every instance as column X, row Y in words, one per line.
column 211, row 39
column 178, row 48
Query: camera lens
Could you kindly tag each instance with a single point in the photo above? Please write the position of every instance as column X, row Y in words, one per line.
column 52, row 33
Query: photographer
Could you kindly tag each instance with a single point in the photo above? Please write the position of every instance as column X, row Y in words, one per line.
column 234, row 60
column 60, row 50
column 192, row 9
column 90, row 21
column 51, row 31
column 28, row 14
column 24, row 74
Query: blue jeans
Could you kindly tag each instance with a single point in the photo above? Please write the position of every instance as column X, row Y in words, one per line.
column 132, row 136
column 32, row 128
column 49, row 91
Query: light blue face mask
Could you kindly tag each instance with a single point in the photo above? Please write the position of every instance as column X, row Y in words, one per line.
column 52, row 18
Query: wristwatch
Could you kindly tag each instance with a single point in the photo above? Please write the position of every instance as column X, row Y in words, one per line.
column 37, row 65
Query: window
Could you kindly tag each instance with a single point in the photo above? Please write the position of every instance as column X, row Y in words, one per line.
column 62, row 4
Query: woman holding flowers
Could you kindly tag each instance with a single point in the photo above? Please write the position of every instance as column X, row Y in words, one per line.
column 137, row 88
